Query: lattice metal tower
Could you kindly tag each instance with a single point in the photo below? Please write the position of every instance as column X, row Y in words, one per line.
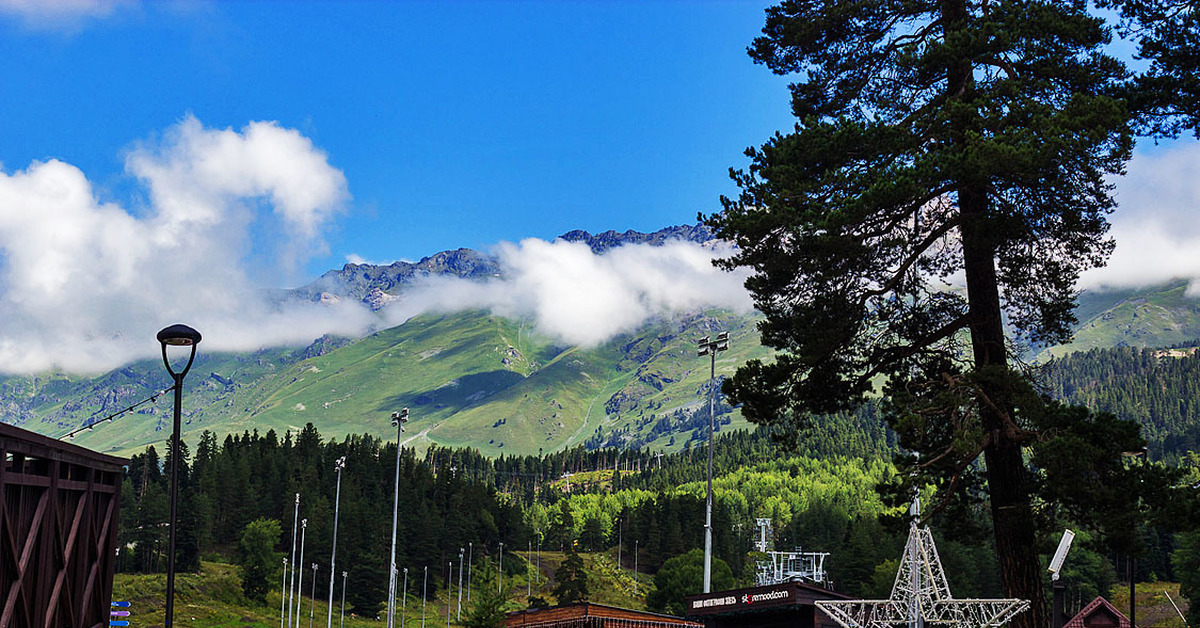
column 920, row 595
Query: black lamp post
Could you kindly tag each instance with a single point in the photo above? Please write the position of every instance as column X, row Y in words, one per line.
column 180, row 336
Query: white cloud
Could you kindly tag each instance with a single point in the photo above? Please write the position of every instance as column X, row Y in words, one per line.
column 84, row 285
column 582, row 298
column 1157, row 226
column 61, row 14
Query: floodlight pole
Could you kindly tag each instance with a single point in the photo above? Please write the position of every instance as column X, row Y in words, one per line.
column 710, row 348
column 398, row 421
column 338, row 466
column 179, row 336
column 300, row 586
column 292, row 584
column 283, row 594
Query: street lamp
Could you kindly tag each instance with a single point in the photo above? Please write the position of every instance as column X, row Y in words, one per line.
column 398, row 421
column 177, row 336
column 282, row 594
column 1131, row 562
column 292, row 585
column 300, row 587
column 710, row 348
column 337, row 466
column 343, row 621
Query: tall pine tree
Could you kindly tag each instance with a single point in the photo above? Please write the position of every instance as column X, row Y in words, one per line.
column 937, row 142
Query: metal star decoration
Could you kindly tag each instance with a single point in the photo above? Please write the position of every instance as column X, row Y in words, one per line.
column 921, row 595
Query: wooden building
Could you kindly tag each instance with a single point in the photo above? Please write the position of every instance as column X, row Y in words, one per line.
column 589, row 615
column 58, row 531
column 1099, row 613
column 788, row 604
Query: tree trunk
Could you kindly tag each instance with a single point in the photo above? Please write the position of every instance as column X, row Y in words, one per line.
column 1007, row 476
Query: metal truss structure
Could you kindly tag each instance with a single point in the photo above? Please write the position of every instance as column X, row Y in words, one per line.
column 58, row 531
column 920, row 596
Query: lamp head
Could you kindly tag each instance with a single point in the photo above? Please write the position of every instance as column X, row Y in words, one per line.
column 179, row 335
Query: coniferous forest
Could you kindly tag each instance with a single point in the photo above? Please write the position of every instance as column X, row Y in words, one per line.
column 819, row 488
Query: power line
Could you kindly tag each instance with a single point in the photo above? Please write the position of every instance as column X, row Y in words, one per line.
column 92, row 423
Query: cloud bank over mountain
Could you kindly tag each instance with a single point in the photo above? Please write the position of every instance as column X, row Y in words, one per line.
column 86, row 282
column 1157, row 226
column 580, row 297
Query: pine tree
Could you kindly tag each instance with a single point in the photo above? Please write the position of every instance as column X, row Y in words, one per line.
column 934, row 140
column 572, row 580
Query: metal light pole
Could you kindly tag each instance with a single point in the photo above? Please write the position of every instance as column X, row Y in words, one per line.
column 343, row 622
column 179, row 336
column 338, row 466
column 500, row 569
column 449, row 584
column 312, row 605
column 404, row 598
column 398, row 421
column 470, row 563
column 283, row 594
column 424, row 594
column 710, row 348
column 635, row 571
column 458, row 615
column 300, row 585
column 292, row 585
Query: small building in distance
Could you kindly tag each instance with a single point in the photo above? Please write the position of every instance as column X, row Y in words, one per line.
column 589, row 615
column 1099, row 613
column 785, row 604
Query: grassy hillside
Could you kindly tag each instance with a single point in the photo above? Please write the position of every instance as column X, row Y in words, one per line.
column 214, row 597
column 1156, row 317
column 470, row 379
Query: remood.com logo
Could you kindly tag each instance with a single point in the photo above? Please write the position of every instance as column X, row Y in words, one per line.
column 778, row 594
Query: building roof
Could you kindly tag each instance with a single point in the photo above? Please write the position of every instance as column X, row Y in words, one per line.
column 572, row 614
column 1099, row 613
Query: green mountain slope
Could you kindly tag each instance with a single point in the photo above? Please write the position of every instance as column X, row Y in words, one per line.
column 470, row 379
column 1155, row 317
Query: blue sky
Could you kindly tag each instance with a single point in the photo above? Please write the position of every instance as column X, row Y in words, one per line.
column 165, row 161
column 454, row 123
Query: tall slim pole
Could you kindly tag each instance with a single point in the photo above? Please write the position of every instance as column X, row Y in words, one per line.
column 404, row 598
column 710, row 348
column 184, row 336
column 470, row 563
column 292, row 585
column 635, row 571
column 398, row 421
column 312, row 603
column 283, row 595
column 529, row 571
column 300, row 586
column 458, row 615
column 424, row 594
column 449, row 585
column 500, row 569
column 337, row 500
column 343, row 622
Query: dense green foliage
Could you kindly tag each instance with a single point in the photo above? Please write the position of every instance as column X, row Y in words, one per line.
column 256, row 476
column 938, row 142
column 572, row 580
column 683, row 576
column 258, row 561
column 1157, row 388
